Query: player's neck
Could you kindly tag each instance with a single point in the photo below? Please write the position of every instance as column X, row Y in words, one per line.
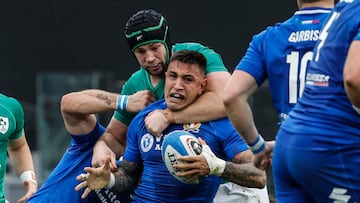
column 320, row 4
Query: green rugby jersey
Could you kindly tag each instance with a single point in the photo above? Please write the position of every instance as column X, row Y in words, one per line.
column 11, row 127
column 140, row 80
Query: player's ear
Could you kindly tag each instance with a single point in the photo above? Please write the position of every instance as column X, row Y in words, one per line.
column 202, row 86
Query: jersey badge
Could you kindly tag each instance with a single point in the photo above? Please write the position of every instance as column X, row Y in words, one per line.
column 194, row 127
column 4, row 124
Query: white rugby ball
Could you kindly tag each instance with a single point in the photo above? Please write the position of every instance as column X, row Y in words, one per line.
column 178, row 143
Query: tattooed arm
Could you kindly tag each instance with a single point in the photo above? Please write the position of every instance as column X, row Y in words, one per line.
column 125, row 179
column 240, row 170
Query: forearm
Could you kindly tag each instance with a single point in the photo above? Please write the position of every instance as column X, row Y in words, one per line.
column 206, row 108
column 241, row 117
column 127, row 177
column 117, row 146
column 22, row 159
column 244, row 174
column 88, row 101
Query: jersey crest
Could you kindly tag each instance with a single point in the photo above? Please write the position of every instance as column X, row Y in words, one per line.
column 4, row 124
column 194, row 127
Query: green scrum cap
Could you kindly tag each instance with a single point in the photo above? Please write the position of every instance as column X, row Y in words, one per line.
column 148, row 26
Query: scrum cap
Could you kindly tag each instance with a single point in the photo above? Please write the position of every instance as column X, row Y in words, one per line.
column 147, row 26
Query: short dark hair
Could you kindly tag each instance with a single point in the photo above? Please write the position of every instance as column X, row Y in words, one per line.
column 190, row 57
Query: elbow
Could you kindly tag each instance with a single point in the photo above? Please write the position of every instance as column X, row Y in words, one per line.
column 67, row 105
column 228, row 98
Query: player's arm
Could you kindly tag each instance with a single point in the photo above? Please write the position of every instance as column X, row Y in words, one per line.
column 124, row 179
column 20, row 155
column 112, row 142
column 235, row 97
column 236, row 94
column 240, row 170
column 352, row 74
column 79, row 108
column 207, row 107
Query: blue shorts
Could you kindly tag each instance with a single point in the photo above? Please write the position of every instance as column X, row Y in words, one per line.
column 308, row 170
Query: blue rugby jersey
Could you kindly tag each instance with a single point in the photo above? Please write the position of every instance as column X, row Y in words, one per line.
column 281, row 54
column 157, row 184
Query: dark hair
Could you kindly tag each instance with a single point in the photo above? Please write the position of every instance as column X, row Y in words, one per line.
column 190, row 57
column 148, row 26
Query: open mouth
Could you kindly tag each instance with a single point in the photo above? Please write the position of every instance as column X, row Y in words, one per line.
column 177, row 96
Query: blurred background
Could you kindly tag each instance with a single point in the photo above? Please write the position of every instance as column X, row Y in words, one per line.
column 49, row 48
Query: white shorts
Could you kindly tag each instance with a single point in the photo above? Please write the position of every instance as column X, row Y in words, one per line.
column 232, row 193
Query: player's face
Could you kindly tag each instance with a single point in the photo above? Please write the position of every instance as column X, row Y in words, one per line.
column 183, row 84
column 152, row 57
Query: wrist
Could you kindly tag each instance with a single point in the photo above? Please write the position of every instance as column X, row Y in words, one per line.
column 28, row 176
column 169, row 116
column 121, row 102
column 111, row 182
column 258, row 145
column 216, row 165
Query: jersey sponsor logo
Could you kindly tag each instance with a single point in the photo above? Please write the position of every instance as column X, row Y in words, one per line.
column 194, row 127
column 339, row 195
column 304, row 35
column 4, row 124
column 317, row 79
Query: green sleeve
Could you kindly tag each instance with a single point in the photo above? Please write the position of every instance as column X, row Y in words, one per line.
column 18, row 113
column 214, row 60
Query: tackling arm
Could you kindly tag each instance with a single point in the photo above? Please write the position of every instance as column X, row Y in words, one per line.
column 208, row 106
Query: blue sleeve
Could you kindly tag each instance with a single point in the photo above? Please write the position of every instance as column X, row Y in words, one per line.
column 232, row 142
column 253, row 61
column 132, row 152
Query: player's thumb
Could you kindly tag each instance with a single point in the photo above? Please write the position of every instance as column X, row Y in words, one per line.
column 107, row 165
column 202, row 142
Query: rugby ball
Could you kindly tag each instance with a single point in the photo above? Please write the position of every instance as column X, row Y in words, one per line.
column 179, row 143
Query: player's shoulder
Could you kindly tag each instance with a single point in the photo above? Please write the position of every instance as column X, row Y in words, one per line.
column 12, row 104
column 135, row 79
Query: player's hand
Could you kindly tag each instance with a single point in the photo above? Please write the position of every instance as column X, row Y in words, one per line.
column 156, row 122
column 101, row 153
column 30, row 188
column 193, row 167
column 263, row 160
column 140, row 100
column 94, row 178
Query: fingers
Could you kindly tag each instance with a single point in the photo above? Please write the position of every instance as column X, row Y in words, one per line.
column 80, row 185
column 85, row 193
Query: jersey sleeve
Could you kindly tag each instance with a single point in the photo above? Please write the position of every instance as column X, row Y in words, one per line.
column 232, row 143
column 18, row 113
column 253, row 61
